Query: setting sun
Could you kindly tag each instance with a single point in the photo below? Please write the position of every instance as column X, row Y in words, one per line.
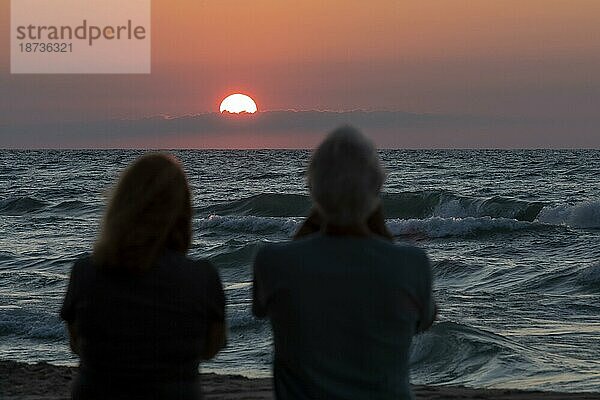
column 238, row 103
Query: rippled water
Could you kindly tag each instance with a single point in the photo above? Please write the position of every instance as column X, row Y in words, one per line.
column 514, row 237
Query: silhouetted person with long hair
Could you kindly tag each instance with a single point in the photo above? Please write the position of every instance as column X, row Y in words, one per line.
column 141, row 315
column 344, row 302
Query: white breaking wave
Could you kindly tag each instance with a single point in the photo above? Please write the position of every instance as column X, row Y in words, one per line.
column 456, row 209
column 31, row 323
column 582, row 215
column 434, row 227
column 437, row 227
column 247, row 223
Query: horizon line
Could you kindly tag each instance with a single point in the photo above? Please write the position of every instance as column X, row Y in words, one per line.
column 158, row 149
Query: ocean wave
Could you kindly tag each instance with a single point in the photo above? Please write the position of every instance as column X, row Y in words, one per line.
column 582, row 215
column 24, row 205
column 232, row 253
column 425, row 205
column 19, row 205
column 408, row 206
column 561, row 279
column 74, row 205
column 451, row 351
column 267, row 175
column 453, row 268
column 241, row 320
column 5, row 255
column 263, row 205
column 250, row 224
column 35, row 279
column 404, row 205
column 69, row 205
column 434, row 227
column 589, row 276
column 438, row 227
column 31, row 324
column 442, row 203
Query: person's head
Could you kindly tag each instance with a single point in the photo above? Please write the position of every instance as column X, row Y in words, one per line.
column 149, row 211
column 345, row 177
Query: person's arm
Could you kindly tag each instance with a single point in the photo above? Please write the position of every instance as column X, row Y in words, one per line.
column 428, row 309
column 67, row 311
column 428, row 319
column 377, row 226
column 311, row 224
column 73, row 337
column 259, row 289
column 216, row 333
column 216, row 339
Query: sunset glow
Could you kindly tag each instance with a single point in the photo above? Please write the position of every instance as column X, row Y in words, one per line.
column 238, row 103
column 511, row 74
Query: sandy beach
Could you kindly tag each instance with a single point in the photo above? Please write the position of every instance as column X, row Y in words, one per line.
column 50, row 382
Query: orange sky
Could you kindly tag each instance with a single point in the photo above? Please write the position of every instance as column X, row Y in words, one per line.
column 533, row 58
column 282, row 50
column 267, row 32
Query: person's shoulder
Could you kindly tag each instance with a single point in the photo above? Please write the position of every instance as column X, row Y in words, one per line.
column 83, row 271
column 189, row 272
column 203, row 266
column 271, row 248
column 414, row 261
column 412, row 252
column 286, row 248
column 405, row 254
column 268, row 250
column 83, row 265
column 272, row 253
column 191, row 265
column 83, row 260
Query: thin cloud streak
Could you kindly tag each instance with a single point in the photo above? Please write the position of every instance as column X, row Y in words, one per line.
column 302, row 129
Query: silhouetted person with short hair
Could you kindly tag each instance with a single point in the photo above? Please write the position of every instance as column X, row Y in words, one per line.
column 344, row 302
column 141, row 315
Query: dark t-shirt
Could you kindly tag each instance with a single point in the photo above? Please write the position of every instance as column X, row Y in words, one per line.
column 343, row 312
column 145, row 327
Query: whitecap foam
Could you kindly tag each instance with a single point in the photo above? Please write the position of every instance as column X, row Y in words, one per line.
column 250, row 224
column 33, row 324
column 582, row 215
column 433, row 227
column 496, row 207
column 438, row 227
